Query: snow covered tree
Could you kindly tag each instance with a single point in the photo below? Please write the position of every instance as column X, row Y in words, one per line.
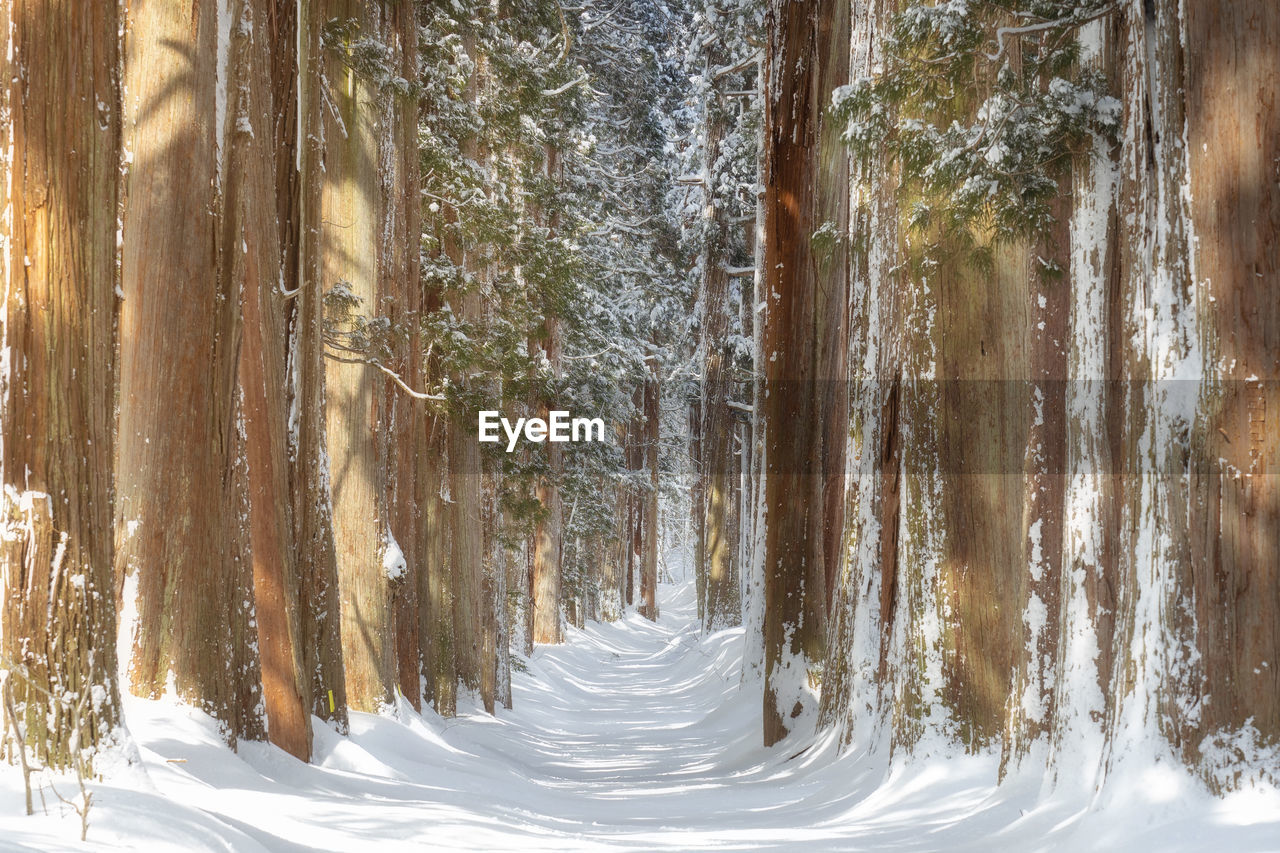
column 722, row 170
column 1055, row 438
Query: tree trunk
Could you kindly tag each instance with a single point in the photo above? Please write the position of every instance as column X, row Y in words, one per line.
column 399, row 284
column 467, row 536
column 255, row 261
column 651, row 540
column 1060, row 490
column 352, row 219
column 1233, row 144
column 722, row 607
column 311, row 498
column 59, row 172
column 803, row 345
column 180, row 338
column 548, row 548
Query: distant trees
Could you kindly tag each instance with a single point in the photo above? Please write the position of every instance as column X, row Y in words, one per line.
column 721, row 170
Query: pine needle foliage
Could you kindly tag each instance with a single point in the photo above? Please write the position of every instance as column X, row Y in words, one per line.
column 981, row 106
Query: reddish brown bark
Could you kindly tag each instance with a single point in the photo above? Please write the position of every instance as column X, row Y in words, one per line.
column 1233, row 143
column 309, row 476
column 179, row 344
column 548, row 547
column 399, row 283
column 352, row 223
column 59, row 162
column 803, row 341
column 254, row 261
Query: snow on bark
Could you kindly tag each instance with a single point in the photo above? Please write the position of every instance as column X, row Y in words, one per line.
column 1076, row 739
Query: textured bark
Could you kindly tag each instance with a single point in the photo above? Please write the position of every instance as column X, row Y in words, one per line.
column 310, row 496
column 179, row 343
column 1233, row 147
column 255, row 262
column 1073, row 553
column 399, row 284
column 803, row 345
column 753, row 574
column 495, row 673
column 467, row 540
column 246, row 670
column 548, row 547
column 698, row 505
column 1042, row 550
column 435, row 626
column 717, row 537
column 948, row 603
column 466, row 552
column 651, row 539
column 352, row 219
column 61, row 143
column 633, row 451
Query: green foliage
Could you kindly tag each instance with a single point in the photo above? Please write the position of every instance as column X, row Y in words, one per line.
column 368, row 56
column 981, row 106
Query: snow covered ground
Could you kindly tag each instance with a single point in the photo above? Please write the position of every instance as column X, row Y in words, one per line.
column 631, row 736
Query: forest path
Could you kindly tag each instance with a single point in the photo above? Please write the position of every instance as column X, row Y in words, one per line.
column 633, row 735
column 630, row 736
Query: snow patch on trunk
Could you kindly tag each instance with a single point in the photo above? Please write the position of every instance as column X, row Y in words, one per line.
column 394, row 564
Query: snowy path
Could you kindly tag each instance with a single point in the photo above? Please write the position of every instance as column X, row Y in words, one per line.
column 631, row 736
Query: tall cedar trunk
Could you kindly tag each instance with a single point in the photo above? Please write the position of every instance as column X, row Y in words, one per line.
column 61, row 155
column 310, row 492
column 858, row 664
column 753, row 574
column 617, row 559
column 255, row 261
column 467, row 552
column 717, row 565
column 940, row 525
column 630, row 534
column 611, row 558
column 398, row 273
column 176, row 519
column 495, row 673
column 803, row 343
column 651, row 538
column 1233, row 145
column 548, row 548
column 502, row 617
column 435, row 574
column 698, row 504
column 466, row 516
column 435, row 596
column 352, row 217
